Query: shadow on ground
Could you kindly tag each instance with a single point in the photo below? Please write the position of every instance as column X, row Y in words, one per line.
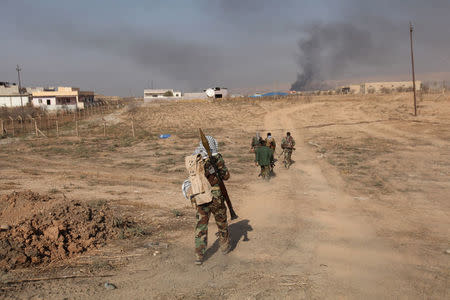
column 238, row 231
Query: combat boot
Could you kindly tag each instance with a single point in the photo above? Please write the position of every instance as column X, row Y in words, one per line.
column 199, row 260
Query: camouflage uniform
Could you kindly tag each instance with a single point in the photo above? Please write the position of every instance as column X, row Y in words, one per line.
column 217, row 208
column 263, row 157
column 270, row 142
column 288, row 144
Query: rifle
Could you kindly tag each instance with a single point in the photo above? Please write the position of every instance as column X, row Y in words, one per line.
column 223, row 189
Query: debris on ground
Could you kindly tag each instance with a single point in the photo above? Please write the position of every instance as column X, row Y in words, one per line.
column 156, row 245
column 109, row 286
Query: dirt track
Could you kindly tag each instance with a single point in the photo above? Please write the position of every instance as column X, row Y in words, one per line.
column 350, row 219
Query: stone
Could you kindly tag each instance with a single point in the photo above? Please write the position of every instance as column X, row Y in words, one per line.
column 109, row 286
column 4, row 227
column 52, row 233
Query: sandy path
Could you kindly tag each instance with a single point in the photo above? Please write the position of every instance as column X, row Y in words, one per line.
column 344, row 248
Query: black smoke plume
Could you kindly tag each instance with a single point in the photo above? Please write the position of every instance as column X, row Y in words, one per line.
column 328, row 51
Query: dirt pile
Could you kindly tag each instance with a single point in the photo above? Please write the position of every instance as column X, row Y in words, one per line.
column 60, row 231
column 18, row 206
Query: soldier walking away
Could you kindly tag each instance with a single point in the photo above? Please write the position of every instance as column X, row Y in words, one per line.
column 255, row 142
column 263, row 158
column 287, row 144
column 270, row 142
column 203, row 190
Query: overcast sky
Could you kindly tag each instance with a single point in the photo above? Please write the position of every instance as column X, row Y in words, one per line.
column 119, row 47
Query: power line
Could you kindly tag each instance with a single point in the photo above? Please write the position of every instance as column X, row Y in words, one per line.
column 411, row 29
column 18, row 69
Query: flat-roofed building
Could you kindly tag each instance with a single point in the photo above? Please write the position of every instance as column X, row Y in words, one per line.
column 161, row 94
column 69, row 98
column 389, row 86
column 11, row 97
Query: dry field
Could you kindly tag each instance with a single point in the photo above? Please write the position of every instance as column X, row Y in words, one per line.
column 364, row 212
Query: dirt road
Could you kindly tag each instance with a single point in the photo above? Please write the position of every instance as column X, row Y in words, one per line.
column 313, row 231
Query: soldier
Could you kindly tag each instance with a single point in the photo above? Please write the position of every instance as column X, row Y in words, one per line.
column 287, row 144
column 215, row 205
column 270, row 142
column 255, row 142
column 262, row 158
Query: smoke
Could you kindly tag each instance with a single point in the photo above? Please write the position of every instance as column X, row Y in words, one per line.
column 329, row 50
column 185, row 60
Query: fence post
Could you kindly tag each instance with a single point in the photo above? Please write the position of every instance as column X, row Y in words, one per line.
column 40, row 120
column 104, row 128
column 31, row 123
column 76, row 127
column 12, row 124
column 2, row 128
column 21, row 122
column 57, row 127
column 132, row 128
column 35, row 127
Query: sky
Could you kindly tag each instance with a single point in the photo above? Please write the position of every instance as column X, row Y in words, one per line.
column 121, row 47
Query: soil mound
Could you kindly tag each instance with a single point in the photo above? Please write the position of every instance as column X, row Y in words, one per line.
column 61, row 231
column 18, row 206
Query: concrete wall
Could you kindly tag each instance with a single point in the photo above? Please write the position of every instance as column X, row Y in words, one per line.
column 9, row 90
column 45, row 103
column 193, row 96
column 13, row 101
column 379, row 87
column 52, row 103
column 222, row 93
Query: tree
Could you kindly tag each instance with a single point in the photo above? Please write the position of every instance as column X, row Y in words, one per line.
column 168, row 94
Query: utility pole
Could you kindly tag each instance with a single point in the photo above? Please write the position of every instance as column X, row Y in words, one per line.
column 411, row 29
column 18, row 69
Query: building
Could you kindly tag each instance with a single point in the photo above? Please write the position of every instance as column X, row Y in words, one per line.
column 170, row 94
column 380, row 87
column 352, row 89
column 11, row 97
column 69, row 98
column 161, row 94
column 217, row 92
column 87, row 98
column 387, row 87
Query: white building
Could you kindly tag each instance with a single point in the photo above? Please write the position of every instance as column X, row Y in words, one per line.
column 69, row 98
column 217, row 92
column 10, row 96
column 161, row 94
